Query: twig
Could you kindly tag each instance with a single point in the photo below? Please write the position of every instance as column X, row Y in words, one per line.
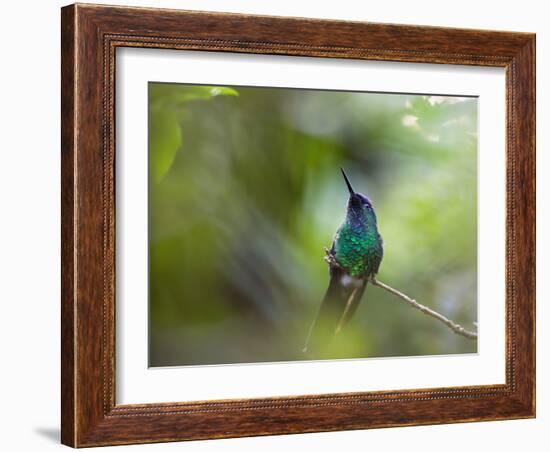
column 458, row 329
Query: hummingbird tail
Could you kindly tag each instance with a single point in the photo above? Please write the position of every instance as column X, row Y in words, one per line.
column 351, row 305
column 337, row 308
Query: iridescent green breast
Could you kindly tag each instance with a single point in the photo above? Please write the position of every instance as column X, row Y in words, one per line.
column 358, row 249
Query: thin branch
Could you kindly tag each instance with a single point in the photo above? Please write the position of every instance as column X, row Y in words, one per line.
column 458, row 329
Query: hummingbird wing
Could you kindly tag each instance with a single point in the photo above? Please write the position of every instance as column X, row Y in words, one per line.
column 339, row 304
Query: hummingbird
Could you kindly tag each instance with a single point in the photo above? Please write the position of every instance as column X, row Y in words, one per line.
column 354, row 258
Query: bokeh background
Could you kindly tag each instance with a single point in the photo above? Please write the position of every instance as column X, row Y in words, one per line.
column 246, row 191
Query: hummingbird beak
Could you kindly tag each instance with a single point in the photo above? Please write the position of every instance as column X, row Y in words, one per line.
column 350, row 188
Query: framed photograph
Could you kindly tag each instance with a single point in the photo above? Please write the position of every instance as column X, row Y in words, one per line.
column 281, row 225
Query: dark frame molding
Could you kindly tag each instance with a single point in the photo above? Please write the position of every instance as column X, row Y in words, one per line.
column 90, row 35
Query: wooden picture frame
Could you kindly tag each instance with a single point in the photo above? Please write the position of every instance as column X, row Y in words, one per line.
column 90, row 36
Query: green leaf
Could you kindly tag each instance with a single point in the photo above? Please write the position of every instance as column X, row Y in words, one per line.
column 167, row 103
column 222, row 91
column 166, row 94
column 164, row 141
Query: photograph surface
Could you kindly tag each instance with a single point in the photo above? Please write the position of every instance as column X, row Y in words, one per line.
column 292, row 224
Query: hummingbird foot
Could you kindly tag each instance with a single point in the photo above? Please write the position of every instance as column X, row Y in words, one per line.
column 331, row 259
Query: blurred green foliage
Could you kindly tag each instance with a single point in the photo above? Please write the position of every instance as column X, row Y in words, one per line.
column 167, row 108
column 245, row 193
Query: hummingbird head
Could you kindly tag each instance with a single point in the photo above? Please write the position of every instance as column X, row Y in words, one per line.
column 357, row 202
